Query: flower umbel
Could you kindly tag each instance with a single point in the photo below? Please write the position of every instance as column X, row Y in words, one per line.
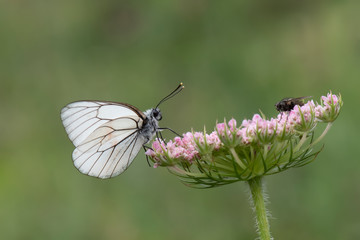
column 330, row 107
column 257, row 147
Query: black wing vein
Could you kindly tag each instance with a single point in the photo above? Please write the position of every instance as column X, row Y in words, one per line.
column 124, row 153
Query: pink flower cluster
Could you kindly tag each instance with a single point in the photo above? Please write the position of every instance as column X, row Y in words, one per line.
column 257, row 130
column 329, row 109
column 183, row 148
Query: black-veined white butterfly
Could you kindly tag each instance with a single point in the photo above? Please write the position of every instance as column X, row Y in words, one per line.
column 109, row 135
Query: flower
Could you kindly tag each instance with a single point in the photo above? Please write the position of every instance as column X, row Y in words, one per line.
column 329, row 109
column 257, row 147
column 303, row 117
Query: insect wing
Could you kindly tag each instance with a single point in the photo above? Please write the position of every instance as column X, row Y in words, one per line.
column 299, row 100
column 109, row 159
column 105, row 134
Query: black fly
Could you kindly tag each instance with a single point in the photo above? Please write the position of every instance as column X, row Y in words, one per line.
column 288, row 104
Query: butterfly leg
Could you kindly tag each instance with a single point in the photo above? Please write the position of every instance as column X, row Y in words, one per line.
column 159, row 136
column 147, row 157
column 162, row 138
column 165, row 128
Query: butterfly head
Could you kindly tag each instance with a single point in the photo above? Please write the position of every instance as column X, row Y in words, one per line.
column 156, row 113
column 153, row 114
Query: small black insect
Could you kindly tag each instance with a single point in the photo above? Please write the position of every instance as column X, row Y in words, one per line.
column 288, row 104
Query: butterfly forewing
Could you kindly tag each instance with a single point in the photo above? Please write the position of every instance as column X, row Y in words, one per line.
column 105, row 134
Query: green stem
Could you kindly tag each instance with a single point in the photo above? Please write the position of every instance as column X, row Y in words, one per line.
column 323, row 134
column 302, row 140
column 237, row 159
column 257, row 196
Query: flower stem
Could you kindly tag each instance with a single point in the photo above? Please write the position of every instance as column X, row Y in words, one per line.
column 323, row 134
column 257, row 196
column 237, row 159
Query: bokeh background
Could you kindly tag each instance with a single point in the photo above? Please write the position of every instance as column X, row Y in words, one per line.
column 234, row 58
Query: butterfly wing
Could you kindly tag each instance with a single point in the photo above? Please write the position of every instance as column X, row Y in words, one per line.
column 105, row 134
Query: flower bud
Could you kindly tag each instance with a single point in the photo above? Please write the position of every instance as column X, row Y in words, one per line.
column 329, row 109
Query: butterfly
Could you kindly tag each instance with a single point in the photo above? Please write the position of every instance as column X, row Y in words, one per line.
column 109, row 135
column 288, row 104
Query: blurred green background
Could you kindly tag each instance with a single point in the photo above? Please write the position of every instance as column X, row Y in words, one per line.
column 234, row 57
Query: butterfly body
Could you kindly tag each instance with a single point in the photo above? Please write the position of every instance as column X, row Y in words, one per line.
column 151, row 123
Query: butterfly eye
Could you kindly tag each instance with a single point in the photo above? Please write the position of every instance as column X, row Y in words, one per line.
column 157, row 114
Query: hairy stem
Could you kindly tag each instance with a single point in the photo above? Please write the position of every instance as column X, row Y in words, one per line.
column 257, row 196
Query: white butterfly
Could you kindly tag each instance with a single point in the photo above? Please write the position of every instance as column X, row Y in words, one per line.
column 109, row 135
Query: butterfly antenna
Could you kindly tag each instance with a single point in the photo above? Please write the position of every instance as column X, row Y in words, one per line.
column 172, row 94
